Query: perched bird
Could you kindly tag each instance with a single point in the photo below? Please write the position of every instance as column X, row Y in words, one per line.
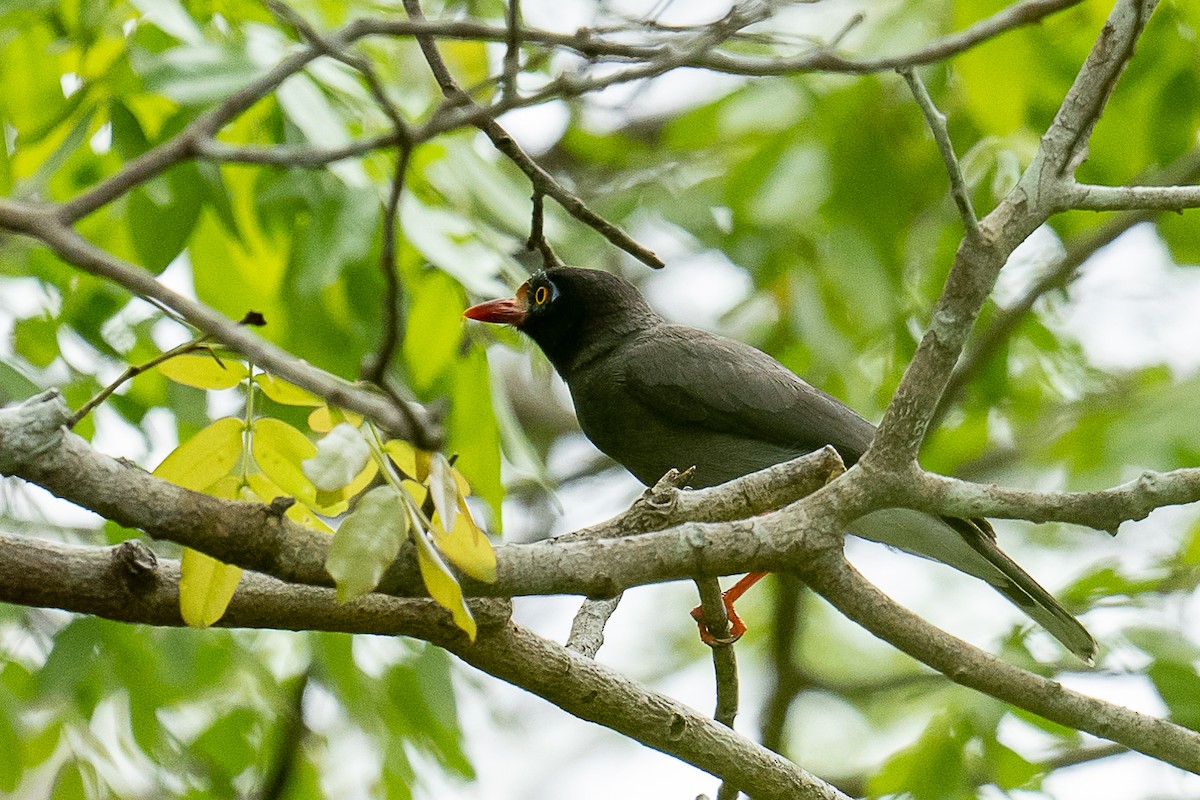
column 656, row 396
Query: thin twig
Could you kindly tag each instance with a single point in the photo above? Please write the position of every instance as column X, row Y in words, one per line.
column 543, row 182
column 716, row 620
column 132, row 372
column 537, row 234
column 941, row 135
column 412, row 422
column 1184, row 170
column 392, row 323
column 512, row 52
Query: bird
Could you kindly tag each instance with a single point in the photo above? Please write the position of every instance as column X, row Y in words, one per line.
column 655, row 396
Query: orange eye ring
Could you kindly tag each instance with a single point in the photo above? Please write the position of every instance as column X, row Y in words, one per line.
column 540, row 295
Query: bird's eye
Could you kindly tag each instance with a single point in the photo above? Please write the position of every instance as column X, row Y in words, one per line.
column 540, row 295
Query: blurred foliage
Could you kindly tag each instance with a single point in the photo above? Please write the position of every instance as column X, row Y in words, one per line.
column 826, row 192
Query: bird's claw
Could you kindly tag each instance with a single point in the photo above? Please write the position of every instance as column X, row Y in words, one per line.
column 736, row 626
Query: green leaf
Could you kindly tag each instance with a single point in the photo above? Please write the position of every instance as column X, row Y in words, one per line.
column 204, row 371
column 367, row 542
column 435, row 317
column 14, row 384
column 36, row 340
column 162, row 214
column 13, row 749
column 1178, row 684
column 205, row 458
column 341, row 456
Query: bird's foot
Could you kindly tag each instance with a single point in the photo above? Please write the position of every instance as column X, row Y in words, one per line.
column 736, row 626
column 728, row 598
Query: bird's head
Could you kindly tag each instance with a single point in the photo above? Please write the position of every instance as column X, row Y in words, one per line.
column 570, row 311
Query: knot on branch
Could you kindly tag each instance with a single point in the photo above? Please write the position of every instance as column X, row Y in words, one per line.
column 31, row 429
column 279, row 506
column 135, row 564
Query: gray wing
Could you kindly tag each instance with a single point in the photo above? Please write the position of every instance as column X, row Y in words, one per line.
column 729, row 387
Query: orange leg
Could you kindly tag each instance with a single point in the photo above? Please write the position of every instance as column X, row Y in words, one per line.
column 729, row 597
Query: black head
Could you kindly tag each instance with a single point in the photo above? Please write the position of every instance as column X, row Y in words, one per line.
column 571, row 312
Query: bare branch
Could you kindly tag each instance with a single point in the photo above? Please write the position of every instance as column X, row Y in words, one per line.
column 802, row 537
column 1104, row 510
column 1186, row 169
column 854, row 596
column 587, row 629
column 291, row 156
column 979, row 259
column 941, row 135
column 1085, row 197
column 392, row 305
column 594, row 45
column 1064, row 145
column 512, row 51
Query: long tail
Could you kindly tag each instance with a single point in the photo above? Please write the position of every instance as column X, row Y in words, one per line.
column 1024, row 592
column 970, row 546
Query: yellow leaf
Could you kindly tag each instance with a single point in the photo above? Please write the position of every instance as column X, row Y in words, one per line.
column 468, row 61
column 403, row 455
column 206, row 457
column 204, row 371
column 266, row 489
column 466, row 546
column 442, row 585
column 417, row 490
column 464, row 488
column 206, row 585
column 279, row 449
column 325, row 419
column 285, row 393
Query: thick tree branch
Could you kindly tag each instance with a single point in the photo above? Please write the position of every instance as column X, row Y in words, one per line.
column 802, row 537
column 99, row 581
column 979, row 259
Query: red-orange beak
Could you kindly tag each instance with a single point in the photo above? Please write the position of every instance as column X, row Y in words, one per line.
column 508, row 311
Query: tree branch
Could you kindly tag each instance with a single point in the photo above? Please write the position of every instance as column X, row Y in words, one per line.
column 802, row 537
column 1085, row 197
column 941, row 135
column 979, row 260
column 854, row 596
column 94, row 580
